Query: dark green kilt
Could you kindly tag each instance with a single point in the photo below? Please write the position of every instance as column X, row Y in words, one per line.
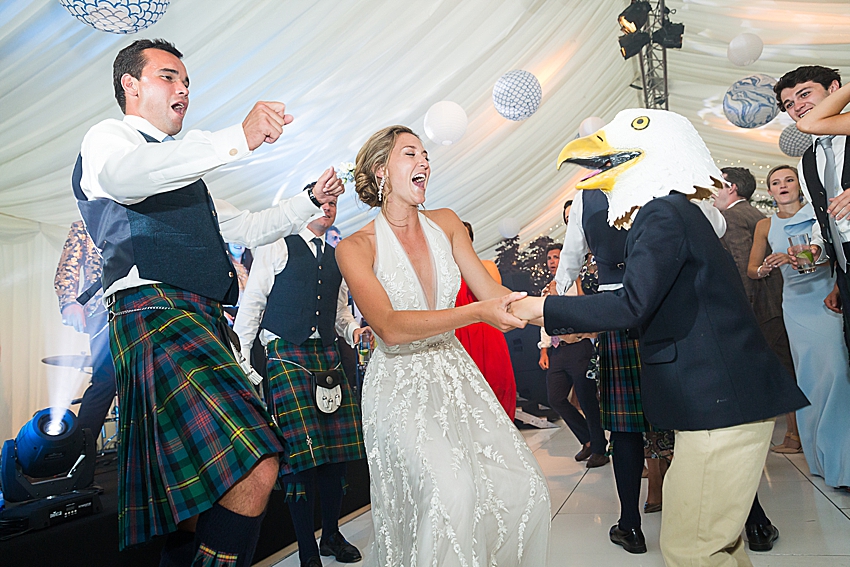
column 314, row 438
column 191, row 423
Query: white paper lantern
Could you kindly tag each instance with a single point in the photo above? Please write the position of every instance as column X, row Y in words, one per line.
column 517, row 95
column 745, row 49
column 794, row 143
column 509, row 227
column 445, row 122
column 590, row 125
column 117, row 16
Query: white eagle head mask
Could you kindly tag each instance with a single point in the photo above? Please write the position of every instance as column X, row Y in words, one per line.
column 640, row 155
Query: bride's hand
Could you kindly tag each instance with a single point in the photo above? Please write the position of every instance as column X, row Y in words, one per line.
column 530, row 309
column 497, row 312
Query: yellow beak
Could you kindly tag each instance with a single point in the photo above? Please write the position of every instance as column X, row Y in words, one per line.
column 594, row 148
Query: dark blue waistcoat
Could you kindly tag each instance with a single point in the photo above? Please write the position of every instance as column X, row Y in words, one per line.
column 817, row 192
column 607, row 243
column 304, row 294
column 172, row 237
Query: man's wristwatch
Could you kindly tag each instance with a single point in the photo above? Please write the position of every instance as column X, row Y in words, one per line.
column 314, row 199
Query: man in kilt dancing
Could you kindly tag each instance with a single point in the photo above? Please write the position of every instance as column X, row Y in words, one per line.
column 296, row 297
column 198, row 451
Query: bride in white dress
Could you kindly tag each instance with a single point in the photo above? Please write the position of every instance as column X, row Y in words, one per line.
column 452, row 481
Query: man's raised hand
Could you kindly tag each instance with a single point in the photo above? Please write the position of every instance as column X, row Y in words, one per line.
column 328, row 187
column 265, row 123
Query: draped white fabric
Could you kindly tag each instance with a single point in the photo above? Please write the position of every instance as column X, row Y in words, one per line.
column 345, row 69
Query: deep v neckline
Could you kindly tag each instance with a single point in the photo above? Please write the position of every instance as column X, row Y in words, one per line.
column 430, row 245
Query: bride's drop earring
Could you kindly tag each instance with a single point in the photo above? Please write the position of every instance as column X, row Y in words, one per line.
column 381, row 189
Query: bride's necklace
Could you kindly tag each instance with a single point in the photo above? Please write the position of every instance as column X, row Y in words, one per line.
column 397, row 223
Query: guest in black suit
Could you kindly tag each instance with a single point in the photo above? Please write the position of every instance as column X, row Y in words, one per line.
column 706, row 369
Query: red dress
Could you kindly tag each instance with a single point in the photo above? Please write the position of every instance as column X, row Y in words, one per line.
column 489, row 349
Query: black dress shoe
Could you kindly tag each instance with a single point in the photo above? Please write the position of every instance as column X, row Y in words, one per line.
column 761, row 536
column 337, row 546
column 584, row 453
column 597, row 460
column 312, row 562
column 632, row 540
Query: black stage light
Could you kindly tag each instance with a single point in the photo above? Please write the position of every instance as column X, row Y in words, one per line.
column 669, row 35
column 634, row 16
column 631, row 44
column 47, row 458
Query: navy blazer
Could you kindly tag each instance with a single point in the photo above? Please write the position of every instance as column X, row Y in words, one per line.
column 704, row 362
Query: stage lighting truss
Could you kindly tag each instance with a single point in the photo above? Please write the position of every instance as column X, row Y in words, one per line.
column 649, row 33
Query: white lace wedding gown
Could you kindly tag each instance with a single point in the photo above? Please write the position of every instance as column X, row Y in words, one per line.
column 452, row 481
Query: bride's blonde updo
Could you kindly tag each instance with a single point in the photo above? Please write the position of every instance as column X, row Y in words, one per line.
column 374, row 154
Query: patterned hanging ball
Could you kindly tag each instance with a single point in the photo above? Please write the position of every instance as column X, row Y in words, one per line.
column 117, row 16
column 750, row 102
column 794, row 143
column 517, row 95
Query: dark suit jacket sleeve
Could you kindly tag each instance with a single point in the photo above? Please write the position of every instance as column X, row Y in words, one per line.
column 655, row 253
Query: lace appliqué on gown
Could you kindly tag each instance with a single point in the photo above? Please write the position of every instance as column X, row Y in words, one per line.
column 453, row 483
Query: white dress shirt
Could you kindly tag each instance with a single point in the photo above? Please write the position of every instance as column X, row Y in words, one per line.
column 843, row 225
column 575, row 244
column 269, row 261
column 119, row 164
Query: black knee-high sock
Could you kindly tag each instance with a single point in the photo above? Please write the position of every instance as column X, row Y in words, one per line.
column 628, row 468
column 329, row 484
column 179, row 550
column 223, row 532
column 302, row 512
column 757, row 515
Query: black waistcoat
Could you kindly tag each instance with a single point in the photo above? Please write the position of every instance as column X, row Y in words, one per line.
column 607, row 243
column 304, row 294
column 817, row 192
column 172, row 237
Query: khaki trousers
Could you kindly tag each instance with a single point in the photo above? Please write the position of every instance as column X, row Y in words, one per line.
column 708, row 492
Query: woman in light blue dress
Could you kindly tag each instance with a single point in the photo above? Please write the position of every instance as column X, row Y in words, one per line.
column 815, row 332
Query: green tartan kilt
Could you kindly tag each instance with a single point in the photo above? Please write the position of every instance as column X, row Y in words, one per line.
column 314, row 438
column 191, row 423
column 620, row 405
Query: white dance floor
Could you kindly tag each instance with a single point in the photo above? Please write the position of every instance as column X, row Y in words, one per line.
column 813, row 519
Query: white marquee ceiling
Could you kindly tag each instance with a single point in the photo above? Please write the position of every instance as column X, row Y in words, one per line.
column 346, row 68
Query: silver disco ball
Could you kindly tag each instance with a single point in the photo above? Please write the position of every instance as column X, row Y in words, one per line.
column 117, row 16
column 794, row 143
column 517, row 95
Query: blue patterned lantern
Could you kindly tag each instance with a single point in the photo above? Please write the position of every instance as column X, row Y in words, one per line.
column 517, row 95
column 750, row 102
column 117, row 16
column 794, row 143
